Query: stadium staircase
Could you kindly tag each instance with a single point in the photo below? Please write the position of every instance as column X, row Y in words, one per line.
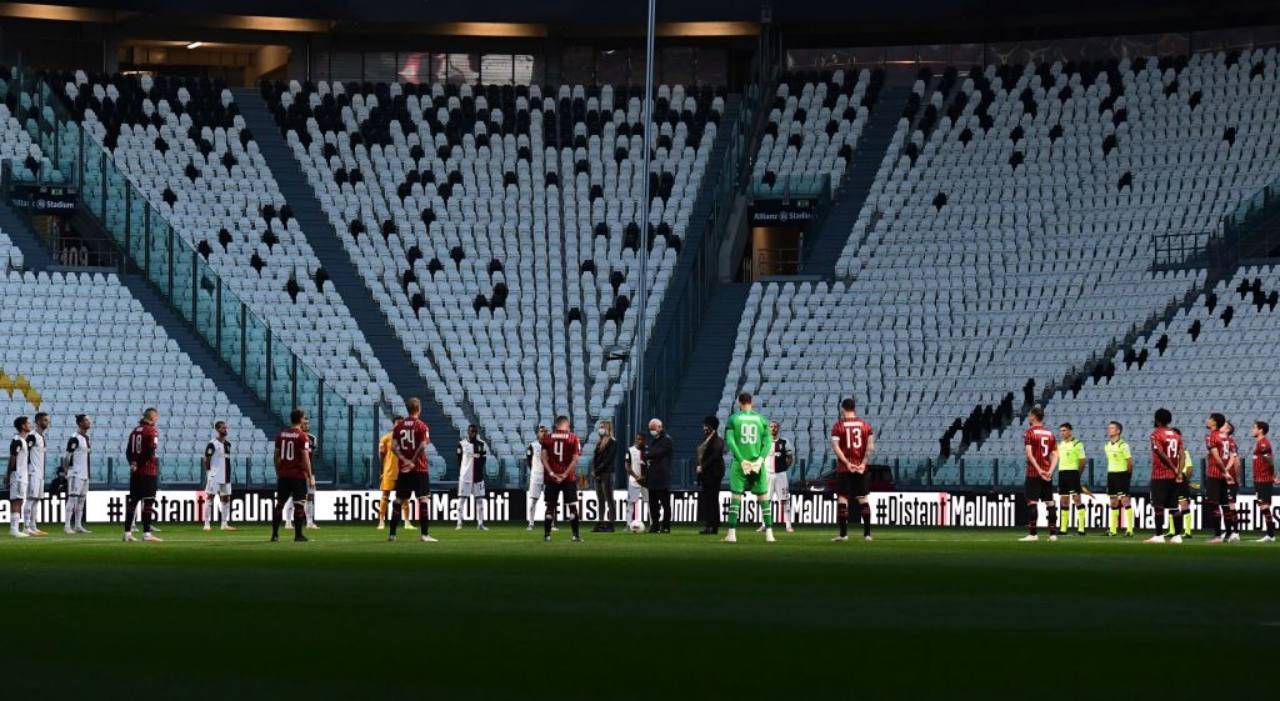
column 852, row 194
column 188, row 338
column 703, row 380
column 337, row 263
column 35, row 254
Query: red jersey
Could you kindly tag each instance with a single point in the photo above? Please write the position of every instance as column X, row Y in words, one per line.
column 1166, row 446
column 292, row 447
column 144, row 444
column 1043, row 445
column 1233, row 451
column 1264, row 469
column 563, row 450
column 411, row 435
column 850, row 437
column 1217, row 465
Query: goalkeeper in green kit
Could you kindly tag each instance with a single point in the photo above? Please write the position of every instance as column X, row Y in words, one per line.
column 749, row 441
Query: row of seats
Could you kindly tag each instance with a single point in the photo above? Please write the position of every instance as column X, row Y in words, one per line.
column 997, row 239
column 499, row 229
column 67, row 333
column 184, row 146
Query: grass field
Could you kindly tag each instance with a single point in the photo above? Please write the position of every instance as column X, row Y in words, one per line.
column 504, row 615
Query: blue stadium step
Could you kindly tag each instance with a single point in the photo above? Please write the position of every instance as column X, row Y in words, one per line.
column 342, row 272
column 196, row 348
column 703, row 383
column 35, row 254
column 849, row 199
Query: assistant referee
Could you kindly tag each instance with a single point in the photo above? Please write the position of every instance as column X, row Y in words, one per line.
column 1070, row 460
column 1119, row 477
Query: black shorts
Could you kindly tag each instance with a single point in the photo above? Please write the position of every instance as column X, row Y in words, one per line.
column 1183, row 489
column 1215, row 490
column 1039, row 489
column 552, row 491
column 851, row 485
column 409, row 484
column 1265, row 491
column 1118, row 483
column 294, row 488
column 1164, row 494
column 142, row 486
column 1069, row 481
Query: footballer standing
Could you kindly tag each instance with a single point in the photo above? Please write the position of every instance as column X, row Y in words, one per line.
column 1216, row 452
column 77, row 460
column 560, row 453
column 853, row 442
column 533, row 457
column 144, row 469
column 1264, row 477
column 16, row 476
column 410, row 438
column 1167, row 455
column 217, row 470
column 1041, row 448
column 293, row 470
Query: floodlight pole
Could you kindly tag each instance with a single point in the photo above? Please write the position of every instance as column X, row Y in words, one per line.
column 642, row 290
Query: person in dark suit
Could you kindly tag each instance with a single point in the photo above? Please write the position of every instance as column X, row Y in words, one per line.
column 710, row 474
column 603, row 463
column 658, row 478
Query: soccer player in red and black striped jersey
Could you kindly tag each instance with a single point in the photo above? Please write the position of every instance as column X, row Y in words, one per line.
column 1217, row 453
column 1264, row 477
column 144, row 467
column 853, row 441
column 293, row 471
column 1041, row 448
column 560, row 453
column 1167, row 456
column 409, row 440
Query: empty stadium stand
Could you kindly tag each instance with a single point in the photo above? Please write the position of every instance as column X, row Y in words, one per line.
column 183, row 144
column 1010, row 240
column 497, row 228
column 83, row 344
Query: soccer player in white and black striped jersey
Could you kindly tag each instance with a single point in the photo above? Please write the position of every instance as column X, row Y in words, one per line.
column 36, row 449
column 217, row 470
column 78, row 461
column 533, row 461
column 16, row 475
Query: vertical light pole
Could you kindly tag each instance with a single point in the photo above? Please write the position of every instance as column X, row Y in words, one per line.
column 642, row 290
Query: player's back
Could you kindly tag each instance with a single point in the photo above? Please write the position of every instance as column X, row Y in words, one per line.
column 291, row 447
column 749, row 430
column 563, row 449
column 851, row 434
column 144, row 442
column 411, row 437
column 1043, row 444
column 1166, row 444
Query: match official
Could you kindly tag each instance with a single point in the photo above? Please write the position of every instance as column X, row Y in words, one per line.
column 603, row 462
column 710, row 475
column 658, row 478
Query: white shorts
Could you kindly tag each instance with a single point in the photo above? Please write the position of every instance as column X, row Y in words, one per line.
column 216, row 485
column 35, row 484
column 77, row 486
column 779, row 487
column 535, row 485
column 636, row 491
column 18, row 484
column 468, row 488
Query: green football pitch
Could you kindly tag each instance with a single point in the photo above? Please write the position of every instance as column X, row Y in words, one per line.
column 503, row 615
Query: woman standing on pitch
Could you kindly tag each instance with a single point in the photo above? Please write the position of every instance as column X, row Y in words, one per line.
column 602, row 466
